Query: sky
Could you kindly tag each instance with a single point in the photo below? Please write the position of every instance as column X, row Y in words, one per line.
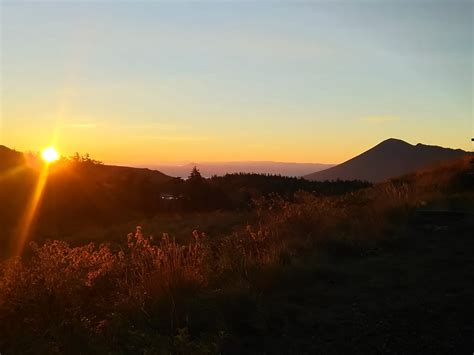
column 145, row 82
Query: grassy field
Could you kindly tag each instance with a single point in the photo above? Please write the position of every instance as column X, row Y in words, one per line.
column 179, row 225
column 410, row 294
column 381, row 270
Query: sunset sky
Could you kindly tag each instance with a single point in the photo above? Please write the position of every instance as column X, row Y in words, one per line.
column 142, row 82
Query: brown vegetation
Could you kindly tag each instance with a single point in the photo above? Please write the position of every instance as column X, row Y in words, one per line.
column 55, row 292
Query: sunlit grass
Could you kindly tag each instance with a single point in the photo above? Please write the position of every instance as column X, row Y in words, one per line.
column 101, row 288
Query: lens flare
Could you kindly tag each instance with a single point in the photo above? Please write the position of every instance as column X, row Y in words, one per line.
column 50, row 155
column 29, row 215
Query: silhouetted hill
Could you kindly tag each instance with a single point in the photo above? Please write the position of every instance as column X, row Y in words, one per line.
column 76, row 195
column 97, row 173
column 209, row 169
column 9, row 158
column 389, row 159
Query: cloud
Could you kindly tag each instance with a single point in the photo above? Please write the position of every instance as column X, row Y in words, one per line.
column 179, row 138
column 379, row 119
column 82, row 125
column 151, row 125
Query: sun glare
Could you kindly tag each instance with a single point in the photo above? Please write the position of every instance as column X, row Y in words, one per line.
column 50, row 155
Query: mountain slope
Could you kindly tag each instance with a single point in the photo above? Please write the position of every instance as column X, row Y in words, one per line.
column 75, row 196
column 389, row 159
column 10, row 158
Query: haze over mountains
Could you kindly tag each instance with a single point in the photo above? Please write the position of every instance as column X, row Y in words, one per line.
column 102, row 194
column 208, row 169
column 389, row 159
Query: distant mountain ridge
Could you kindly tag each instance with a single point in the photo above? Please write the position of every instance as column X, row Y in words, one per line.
column 208, row 169
column 389, row 159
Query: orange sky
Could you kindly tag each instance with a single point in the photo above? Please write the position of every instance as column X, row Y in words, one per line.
column 148, row 83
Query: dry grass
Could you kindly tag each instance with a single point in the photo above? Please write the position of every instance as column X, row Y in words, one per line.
column 56, row 286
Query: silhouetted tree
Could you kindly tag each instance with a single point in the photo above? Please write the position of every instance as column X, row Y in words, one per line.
column 86, row 158
column 76, row 158
column 195, row 175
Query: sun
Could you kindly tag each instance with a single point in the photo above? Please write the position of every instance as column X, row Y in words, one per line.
column 50, row 155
